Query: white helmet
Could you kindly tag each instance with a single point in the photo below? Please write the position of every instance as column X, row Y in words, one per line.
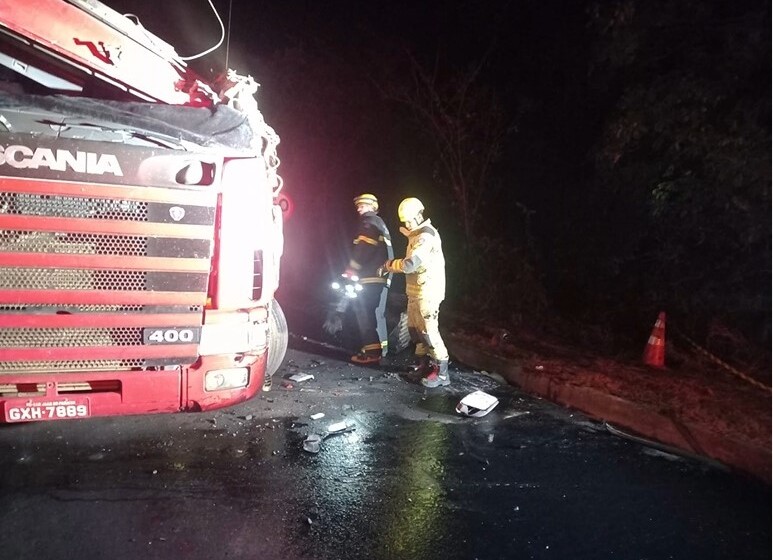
column 409, row 209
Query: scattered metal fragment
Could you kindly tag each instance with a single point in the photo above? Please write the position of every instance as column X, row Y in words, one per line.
column 313, row 442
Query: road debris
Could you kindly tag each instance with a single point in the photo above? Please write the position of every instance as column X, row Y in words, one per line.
column 317, row 416
column 337, row 427
column 477, row 404
column 300, row 377
column 313, row 441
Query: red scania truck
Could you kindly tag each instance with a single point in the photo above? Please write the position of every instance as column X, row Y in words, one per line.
column 140, row 223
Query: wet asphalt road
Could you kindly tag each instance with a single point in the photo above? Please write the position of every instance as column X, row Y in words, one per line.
column 412, row 480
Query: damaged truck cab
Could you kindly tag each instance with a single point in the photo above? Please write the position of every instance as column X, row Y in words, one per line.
column 140, row 230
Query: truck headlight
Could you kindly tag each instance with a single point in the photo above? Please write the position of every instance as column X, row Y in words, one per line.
column 233, row 338
column 229, row 378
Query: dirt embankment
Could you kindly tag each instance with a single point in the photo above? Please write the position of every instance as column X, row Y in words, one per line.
column 697, row 408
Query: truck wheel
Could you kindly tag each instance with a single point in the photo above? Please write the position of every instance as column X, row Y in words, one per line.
column 277, row 338
column 400, row 337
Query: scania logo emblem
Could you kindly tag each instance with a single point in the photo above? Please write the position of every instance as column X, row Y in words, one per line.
column 177, row 213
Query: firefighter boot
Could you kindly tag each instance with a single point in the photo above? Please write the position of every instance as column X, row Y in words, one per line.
column 366, row 358
column 438, row 375
column 420, row 365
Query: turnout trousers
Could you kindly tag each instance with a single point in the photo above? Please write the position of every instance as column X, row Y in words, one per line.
column 424, row 328
column 369, row 308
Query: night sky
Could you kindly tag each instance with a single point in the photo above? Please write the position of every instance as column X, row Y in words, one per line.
column 528, row 47
column 634, row 174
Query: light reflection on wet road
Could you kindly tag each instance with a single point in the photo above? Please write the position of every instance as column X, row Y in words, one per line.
column 413, row 480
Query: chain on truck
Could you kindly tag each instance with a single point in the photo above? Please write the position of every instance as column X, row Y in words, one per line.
column 140, row 223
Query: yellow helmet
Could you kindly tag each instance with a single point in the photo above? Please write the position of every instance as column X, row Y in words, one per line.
column 366, row 199
column 409, row 209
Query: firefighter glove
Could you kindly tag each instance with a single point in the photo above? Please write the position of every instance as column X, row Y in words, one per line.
column 383, row 270
column 333, row 323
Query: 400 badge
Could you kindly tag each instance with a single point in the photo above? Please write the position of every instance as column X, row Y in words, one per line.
column 171, row 335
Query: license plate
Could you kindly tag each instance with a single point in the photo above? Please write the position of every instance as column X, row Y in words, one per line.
column 32, row 410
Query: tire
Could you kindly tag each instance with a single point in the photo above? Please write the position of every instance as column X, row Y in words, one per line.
column 400, row 337
column 277, row 338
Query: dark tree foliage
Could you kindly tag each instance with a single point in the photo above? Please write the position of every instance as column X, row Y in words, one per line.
column 465, row 126
column 679, row 213
column 331, row 150
column 636, row 166
column 465, row 123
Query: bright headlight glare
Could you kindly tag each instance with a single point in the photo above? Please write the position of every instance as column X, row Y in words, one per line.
column 230, row 378
column 232, row 338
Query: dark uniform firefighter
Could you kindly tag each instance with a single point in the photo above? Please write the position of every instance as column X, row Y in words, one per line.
column 425, row 285
column 372, row 245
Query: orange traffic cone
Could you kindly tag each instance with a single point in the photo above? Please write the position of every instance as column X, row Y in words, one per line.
column 655, row 351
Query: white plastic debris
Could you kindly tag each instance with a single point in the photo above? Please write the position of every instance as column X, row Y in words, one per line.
column 477, row 404
column 317, row 416
column 337, row 427
column 299, row 377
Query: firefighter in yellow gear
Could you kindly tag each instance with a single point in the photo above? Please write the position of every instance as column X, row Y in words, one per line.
column 425, row 285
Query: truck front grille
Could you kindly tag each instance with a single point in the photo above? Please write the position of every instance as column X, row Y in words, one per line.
column 73, row 207
column 53, row 338
column 63, row 243
column 49, row 366
column 70, row 279
column 86, row 269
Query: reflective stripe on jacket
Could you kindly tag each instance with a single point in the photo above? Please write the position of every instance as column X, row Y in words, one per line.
column 372, row 246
